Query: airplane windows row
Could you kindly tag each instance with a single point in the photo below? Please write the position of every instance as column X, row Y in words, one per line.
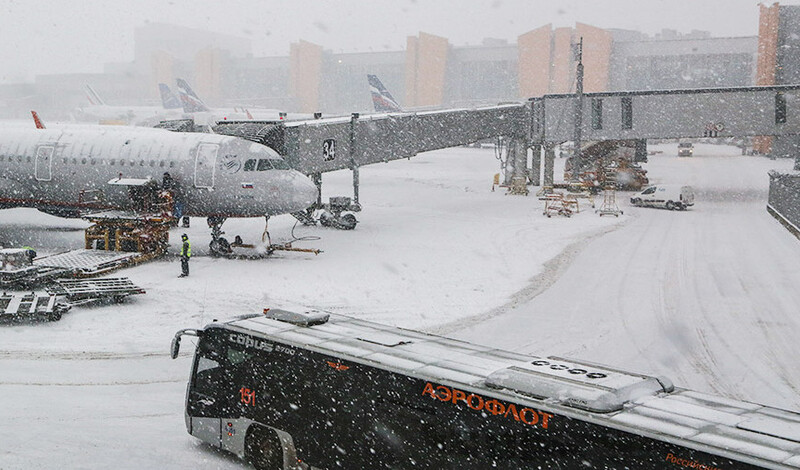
column 113, row 162
column 11, row 158
column 264, row 164
column 94, row 161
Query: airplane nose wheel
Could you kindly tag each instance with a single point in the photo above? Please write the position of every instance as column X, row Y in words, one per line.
column 219, row 246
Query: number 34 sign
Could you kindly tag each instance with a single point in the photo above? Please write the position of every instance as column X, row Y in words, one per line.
column 329, row 149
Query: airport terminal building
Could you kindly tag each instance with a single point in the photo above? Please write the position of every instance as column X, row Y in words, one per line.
column 430, row 72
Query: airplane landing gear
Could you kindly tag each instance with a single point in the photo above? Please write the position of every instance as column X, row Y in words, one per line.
column 219, row 246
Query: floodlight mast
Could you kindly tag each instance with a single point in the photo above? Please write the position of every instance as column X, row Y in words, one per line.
column 577, row 165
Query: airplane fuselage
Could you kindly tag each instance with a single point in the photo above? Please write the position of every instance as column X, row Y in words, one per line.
column 70, row 169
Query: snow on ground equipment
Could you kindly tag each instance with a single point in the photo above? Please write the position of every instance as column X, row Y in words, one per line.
column 220, row 246
column 83, row 291
column 30, row 307
column 558, row 204
column 116, row 239
column 339, row 213
column 124, row 231
column 609, row 206
column 18, row 270
column 87, row 263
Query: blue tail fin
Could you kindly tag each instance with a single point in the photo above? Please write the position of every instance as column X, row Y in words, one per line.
column 168, row 98
column 381, row 98
column 190, row 101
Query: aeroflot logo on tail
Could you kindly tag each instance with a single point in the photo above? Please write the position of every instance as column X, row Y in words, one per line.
column 496, row 407
column 249, row 342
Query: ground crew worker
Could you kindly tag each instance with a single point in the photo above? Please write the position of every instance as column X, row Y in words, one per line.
column 30, row 252
column 186, row 253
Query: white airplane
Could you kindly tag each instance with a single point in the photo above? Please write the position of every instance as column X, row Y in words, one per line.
column 193, row 105
column 99, row 112
column 70, row 171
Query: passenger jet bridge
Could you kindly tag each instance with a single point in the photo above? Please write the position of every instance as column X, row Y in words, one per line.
column 328, row 144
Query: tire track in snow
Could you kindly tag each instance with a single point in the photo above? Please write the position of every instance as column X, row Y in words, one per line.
column 79, row 355
column 551, row 272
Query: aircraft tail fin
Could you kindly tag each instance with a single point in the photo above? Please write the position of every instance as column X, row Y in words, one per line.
column 189, row 99
column 168, row 98
column 249, row 116
column 94, row 98
column 381, row 98
column 36, row 120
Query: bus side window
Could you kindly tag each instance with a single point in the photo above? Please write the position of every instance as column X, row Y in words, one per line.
column 250, row 165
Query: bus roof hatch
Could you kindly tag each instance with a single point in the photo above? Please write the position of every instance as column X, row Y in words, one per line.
column 309, row 318
column 573, row 386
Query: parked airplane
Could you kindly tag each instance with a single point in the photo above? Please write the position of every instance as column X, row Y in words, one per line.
column 99, row 111
column 192, row 104
column 382, row 100
column 69, row 171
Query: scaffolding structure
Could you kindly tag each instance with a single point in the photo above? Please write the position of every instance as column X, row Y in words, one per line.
column 609, row 206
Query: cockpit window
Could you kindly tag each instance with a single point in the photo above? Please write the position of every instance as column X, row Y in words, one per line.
column 250, row 165
column 263, row 164
column 279, row 164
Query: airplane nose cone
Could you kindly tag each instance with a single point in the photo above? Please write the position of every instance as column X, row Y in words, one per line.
column 305, row 192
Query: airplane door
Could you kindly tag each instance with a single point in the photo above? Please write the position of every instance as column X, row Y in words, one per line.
column 204, row 165
column 44, row 163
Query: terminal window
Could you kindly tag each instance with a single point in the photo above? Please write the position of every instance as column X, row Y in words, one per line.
column 780, row 108
column 627, row 112
column 597, row 113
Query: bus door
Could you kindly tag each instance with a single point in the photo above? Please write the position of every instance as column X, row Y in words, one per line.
column 204, row 165
column 206, row 400
column 43, row 166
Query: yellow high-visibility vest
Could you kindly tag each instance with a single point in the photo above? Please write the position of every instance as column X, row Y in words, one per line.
column 188, row 246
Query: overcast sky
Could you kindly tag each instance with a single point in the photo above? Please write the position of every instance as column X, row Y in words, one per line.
column 58, row 36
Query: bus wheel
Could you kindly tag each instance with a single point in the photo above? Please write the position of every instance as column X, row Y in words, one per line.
column 670, row 205
column 263, row 449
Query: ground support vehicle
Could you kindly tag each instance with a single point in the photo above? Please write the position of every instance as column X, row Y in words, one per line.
column 685, row 149
column 291, row 390
column 672, row 197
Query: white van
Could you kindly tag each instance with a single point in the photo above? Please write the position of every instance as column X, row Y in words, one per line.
column 672, row 197
column 685, row 149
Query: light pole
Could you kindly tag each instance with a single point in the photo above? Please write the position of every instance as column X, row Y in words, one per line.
column 577, row 166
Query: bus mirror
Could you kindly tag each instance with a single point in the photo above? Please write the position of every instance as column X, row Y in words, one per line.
column 176, row 341
column 176, row 346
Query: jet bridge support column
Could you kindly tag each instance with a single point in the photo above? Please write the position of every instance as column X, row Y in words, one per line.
column 518, row 158
column 549, row 164
column 353, row 119
column 536, row 165
column 317, row 179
